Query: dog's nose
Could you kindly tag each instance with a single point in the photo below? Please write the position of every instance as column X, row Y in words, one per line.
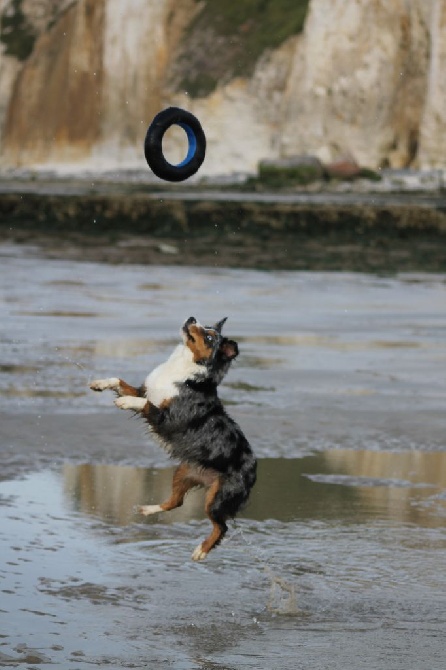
column 191, row 320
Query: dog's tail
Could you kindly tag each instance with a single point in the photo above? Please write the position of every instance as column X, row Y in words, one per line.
column 235, row 488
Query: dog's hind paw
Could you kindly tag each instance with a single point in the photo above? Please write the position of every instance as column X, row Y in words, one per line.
column 103, row 384
column 147, row 510
column 199, row 554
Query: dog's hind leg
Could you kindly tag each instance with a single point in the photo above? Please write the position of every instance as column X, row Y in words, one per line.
column 183, row 481
column 219, row 526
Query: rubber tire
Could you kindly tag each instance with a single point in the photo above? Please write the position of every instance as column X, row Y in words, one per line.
column 153, row 149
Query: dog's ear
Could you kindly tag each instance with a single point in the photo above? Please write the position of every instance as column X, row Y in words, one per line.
column 219, row 325
column 229, row 349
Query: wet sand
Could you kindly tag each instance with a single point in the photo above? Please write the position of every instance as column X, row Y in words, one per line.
column 338, row 560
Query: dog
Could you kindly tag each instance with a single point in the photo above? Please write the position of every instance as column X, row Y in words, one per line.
column 180, row 403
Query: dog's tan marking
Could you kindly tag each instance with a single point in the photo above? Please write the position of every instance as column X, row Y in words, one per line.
column 185, row 478
column 218, row 530
column 183, row 481
column 126, row 389
column 200, row 348
column 117, row 385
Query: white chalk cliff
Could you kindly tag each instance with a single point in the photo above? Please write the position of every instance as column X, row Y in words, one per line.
column 364, row 79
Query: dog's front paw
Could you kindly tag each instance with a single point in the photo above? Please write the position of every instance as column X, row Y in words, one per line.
column 199, row 554
column 129, row 402
column 103, row 384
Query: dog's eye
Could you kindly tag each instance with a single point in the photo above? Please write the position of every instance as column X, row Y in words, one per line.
column 209, row 338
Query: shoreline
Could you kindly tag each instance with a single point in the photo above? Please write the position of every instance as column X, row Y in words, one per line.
column 120, row 222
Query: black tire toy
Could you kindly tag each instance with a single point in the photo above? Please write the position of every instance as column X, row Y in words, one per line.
column 153, row 149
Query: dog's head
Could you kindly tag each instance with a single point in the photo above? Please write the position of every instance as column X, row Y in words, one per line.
column 209, row 347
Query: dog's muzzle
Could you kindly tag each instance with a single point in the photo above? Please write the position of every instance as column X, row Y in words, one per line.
column 191, row 321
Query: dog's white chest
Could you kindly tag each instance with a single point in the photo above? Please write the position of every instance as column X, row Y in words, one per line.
column 159, row 386
column 163, row 382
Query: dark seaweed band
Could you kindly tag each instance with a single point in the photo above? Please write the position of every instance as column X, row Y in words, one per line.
column 153, row 149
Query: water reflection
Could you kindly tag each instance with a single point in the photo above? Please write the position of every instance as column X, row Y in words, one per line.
column 408, row 483
column 112, row 491
column 345, row 485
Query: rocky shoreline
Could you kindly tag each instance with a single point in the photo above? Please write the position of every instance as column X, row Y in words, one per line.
column 129, row 221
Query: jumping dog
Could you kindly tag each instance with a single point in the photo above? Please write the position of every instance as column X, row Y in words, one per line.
column 180, row 403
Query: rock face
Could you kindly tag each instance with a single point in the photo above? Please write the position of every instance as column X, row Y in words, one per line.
column 358, row 82
column 432, row 151
column 92, row 81
column 80, row 80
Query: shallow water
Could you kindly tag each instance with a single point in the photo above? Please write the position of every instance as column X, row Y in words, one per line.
column 339, row 559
